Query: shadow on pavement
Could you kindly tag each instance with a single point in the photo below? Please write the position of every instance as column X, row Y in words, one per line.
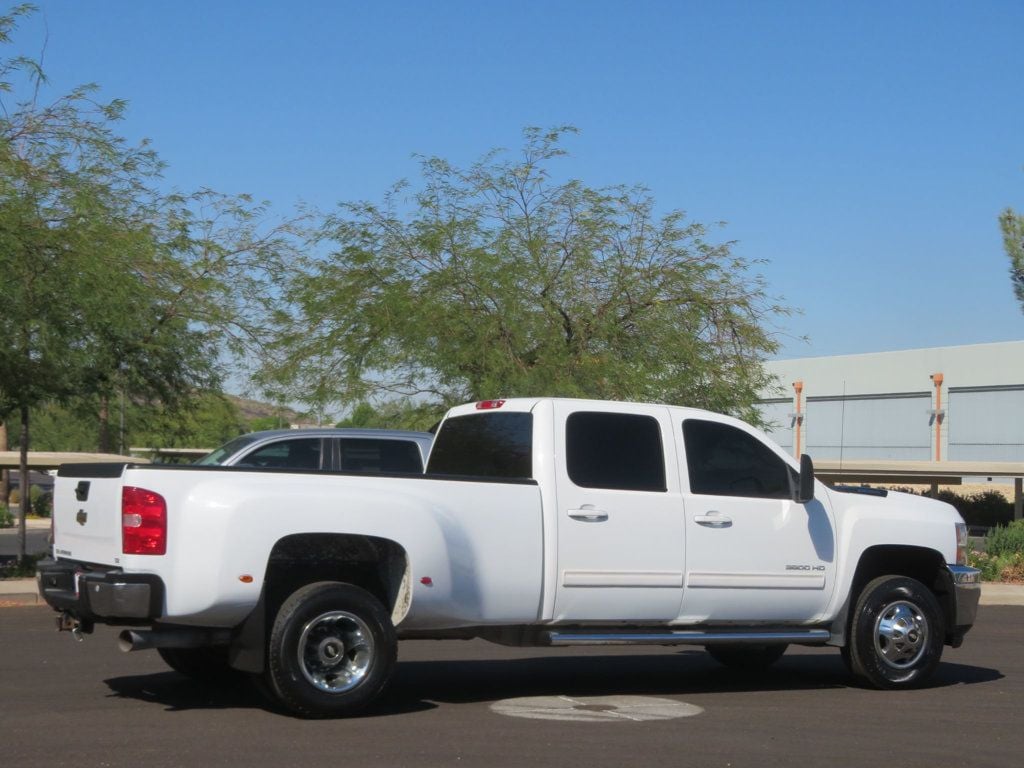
column 688, row 672
column 423, row 685
column 177, row 692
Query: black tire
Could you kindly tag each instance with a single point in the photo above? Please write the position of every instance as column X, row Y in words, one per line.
column 202, row 664
column 896, row 633
column 332, row 650
column 748, row 658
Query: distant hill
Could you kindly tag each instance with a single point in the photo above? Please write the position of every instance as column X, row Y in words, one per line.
column 254, row 409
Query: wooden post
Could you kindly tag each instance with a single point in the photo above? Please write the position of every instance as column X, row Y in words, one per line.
column 1018, row 498
column 798, row 387
column 937, row 379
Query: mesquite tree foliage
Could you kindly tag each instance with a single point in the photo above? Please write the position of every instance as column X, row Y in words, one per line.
column 498, row 281
column 110, row 287
column 1012, row 225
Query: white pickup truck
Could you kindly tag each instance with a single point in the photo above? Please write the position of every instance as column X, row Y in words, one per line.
column 537, row 522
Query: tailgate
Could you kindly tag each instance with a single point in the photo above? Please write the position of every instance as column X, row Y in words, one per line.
column 87, row 513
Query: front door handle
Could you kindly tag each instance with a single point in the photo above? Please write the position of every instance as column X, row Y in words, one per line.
column 588, row 513
column 713, row 520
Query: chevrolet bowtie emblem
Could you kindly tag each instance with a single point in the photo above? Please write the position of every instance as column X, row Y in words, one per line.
column 81, row 517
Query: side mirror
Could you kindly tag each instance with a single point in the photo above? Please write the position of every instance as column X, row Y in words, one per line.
column 805, row 483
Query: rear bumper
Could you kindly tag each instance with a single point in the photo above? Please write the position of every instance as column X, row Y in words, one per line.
column 100, row 594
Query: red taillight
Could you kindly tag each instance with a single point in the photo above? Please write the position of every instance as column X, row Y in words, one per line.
column 143, row 522
column 489, row 405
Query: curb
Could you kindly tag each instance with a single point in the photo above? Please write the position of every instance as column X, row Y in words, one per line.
column 19, row 592
column 31, row 524
column 993, row 593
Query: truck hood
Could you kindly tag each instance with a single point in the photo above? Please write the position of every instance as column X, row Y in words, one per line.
column 903, row 505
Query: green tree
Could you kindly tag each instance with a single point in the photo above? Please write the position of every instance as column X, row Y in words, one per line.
column 497, row 280
column 363, row 415
column 263, row 423
column 67, row 183
column 391, row 414
column 226, row 258
column 205, row 273
column 57, row 427
column 1012, row 224
column 113, row 292
column 208, row 420
column 5, row 476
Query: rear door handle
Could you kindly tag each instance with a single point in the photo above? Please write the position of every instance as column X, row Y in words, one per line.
column 588, row 513
column 713, row 520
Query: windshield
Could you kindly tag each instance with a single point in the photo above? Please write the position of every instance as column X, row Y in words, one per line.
column 227, row 450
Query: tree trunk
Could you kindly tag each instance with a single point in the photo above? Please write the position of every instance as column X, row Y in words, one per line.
column 104, row 437
column 5, row 475
column 24, row 483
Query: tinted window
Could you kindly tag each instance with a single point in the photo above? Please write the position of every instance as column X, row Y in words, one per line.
column 369, row 455
column 285, row 454
column 484, row 445
column 615, row 450
column 726, row 461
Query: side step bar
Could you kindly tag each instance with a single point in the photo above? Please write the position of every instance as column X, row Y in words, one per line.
column 690, row 637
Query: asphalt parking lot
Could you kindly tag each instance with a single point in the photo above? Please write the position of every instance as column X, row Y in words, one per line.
column 460, row 703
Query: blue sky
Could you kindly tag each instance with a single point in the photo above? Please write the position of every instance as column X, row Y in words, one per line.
column 864, row 149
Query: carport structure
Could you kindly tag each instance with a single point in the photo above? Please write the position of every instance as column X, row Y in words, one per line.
column 937, row 416
column 933, row 473
column 46, row 460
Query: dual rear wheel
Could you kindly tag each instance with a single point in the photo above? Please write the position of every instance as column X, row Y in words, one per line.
column 331, row 651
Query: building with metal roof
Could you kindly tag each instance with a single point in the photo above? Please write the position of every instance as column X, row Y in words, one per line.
column 903, row 414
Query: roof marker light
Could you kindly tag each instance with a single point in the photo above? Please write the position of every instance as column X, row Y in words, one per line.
column 489, row 405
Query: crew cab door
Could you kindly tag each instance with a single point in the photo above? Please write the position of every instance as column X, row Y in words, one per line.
column 619, row 516
column 752, row 553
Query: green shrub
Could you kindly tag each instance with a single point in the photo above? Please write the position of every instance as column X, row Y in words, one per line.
column 1006, row 540
column 985, row 508
column 42, row 502
column 989, row 566
column 1014, row 569
column 6, row 517
column 20, row 570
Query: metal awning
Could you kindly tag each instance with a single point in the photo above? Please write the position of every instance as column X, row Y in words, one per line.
column 925, row 472
column 940, row 472
column 41, row 460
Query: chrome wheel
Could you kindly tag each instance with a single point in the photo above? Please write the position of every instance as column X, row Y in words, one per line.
column 901, row 634
column 335, row 651
column 896, row 633
column 331, row 651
